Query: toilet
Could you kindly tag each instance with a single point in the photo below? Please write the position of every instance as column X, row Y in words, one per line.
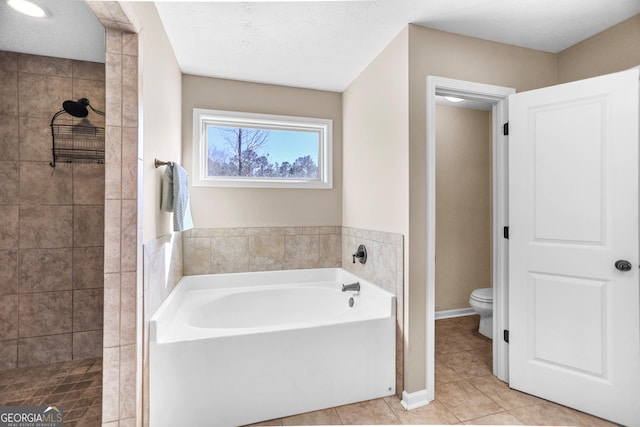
column 481, row 301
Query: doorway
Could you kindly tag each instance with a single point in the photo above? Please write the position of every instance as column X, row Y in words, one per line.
column 496, row 96
column 573, row 197
column 463, row 205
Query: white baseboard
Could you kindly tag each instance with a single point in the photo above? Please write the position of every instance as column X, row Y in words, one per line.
column 414, row 400
column 458, row 312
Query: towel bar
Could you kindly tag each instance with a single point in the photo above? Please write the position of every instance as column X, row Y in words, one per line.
column 159, row 163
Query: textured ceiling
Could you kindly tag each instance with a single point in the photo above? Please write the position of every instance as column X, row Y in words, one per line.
column 325, row 45
column 72, row 32
column 319, row 45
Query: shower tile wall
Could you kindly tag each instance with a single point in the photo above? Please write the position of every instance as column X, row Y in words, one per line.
column 122, row 352
column 51, row 220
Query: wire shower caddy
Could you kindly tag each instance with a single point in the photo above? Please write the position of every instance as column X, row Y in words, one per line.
column 76, row 143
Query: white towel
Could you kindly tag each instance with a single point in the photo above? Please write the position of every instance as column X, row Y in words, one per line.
column 175, row 196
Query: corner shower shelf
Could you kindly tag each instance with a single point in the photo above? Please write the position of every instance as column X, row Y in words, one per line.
column 77, row 144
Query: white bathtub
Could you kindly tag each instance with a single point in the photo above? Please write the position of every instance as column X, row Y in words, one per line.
column 235, row 349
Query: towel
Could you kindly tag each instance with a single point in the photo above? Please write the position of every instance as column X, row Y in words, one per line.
column 166, row 201
column 175, row 196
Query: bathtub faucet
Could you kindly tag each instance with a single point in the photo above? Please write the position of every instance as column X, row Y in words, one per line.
column 361, row 254
column 351, row 287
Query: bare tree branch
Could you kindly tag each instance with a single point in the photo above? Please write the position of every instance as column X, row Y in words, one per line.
column 241, row 141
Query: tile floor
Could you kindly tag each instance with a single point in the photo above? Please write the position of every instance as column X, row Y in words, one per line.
column 75, row 385
column 466, row 393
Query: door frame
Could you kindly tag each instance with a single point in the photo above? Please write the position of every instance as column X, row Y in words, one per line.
column 498, row 96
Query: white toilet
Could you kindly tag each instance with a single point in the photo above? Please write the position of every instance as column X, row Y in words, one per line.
column 481, row 301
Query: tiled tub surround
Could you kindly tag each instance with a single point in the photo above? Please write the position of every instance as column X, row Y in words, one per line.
column 384, row 267
column 234, row 250
column 162, row 265
column 51, row 219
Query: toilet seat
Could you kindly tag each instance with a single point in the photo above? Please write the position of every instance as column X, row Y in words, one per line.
column 483, row 295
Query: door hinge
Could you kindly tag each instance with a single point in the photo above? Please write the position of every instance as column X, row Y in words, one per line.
column 505, row 232
column 505, row 335
column 505, row 129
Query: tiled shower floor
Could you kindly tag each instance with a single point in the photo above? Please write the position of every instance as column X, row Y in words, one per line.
column 466, row 393
column 75, row 385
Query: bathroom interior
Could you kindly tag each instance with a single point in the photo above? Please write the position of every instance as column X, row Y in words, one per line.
column 87, row 256
column 464, row 227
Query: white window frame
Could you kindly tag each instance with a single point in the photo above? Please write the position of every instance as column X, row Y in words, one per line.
column 205, row 117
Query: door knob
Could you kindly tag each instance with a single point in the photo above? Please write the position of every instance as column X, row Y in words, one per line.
column 623, row 265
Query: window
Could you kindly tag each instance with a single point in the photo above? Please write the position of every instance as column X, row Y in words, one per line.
column 234, row 149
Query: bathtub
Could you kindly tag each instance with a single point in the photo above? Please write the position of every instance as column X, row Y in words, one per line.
column 235, row 349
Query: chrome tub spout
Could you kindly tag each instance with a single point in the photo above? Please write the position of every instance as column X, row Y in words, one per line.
column 351, row 287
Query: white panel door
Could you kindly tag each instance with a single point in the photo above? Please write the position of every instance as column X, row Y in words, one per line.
column 573, row 212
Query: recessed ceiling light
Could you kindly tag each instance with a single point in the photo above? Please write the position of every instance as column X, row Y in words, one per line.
column 454, row 99
column 29, row 8
column 258, row 1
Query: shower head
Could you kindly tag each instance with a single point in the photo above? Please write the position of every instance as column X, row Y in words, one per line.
column 79, row 108
column 76, row 108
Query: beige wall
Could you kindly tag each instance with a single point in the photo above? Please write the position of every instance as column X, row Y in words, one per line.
column 614, row 49
column 251, row 207
column 463, row 208
column 160, row 115
column 437, row 53
column 375, row 109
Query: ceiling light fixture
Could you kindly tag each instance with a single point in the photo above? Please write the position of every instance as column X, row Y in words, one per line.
column 29, row 8
column 453, row 99
column 258, row 1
